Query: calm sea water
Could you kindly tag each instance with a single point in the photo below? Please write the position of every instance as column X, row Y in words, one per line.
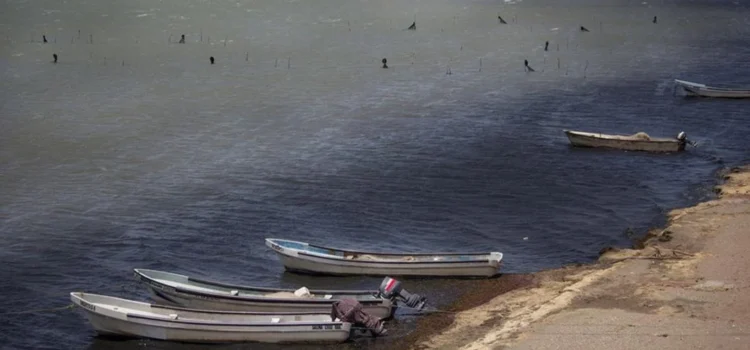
column 133, row 151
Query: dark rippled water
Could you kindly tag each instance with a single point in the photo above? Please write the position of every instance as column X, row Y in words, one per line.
column 133, row 152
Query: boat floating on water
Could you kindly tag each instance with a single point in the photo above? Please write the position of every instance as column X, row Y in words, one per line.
column 202, row 294
column 307, row 258
column 122, row 317
column 695, row 89
column 636, row 142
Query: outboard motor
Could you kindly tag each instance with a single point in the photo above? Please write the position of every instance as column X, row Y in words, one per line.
column 391, row 289
column 682, row 136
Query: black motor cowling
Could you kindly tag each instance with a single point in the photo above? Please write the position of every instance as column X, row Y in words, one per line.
column 391, row 289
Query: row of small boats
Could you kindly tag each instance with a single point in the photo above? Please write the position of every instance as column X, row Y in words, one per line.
column 190, row 309
column 642, row 141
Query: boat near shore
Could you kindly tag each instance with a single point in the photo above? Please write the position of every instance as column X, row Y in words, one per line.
column 307, row 258
column 121, row 317
column 636, row 142
column 197, row 293
column 702, row 90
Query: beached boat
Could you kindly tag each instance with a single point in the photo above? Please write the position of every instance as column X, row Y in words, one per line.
column 202, row 294
column 636, row 142
column 122, row 317
column 695, row 89
column 308, row 258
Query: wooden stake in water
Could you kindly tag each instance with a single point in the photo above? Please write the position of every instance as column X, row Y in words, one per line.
column 585, row 68
column 79, row 34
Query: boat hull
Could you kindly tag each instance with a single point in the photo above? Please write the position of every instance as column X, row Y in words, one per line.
column 327, row 262
column 127, row 318
column 216, row 300
column 317, row 265
column 701, row 90
column 381, row 309
column 579, row 140
column 107, row 325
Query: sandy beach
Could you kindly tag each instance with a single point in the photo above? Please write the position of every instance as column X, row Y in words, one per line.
column 684, row 286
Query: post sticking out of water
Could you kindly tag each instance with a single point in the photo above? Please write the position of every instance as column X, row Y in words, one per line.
column 226, row 38
column 546, row 45
column 54, row 58
column 558, row 63
column 385, row 63
column 211, row 59
column 79, row 34
column 182, row 39
column 44, row 39
column 91, row 38
column 654, row 19
column 585, row 68
column 480, row 64
column 123, row 63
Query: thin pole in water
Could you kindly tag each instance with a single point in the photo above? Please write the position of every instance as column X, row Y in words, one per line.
column 585, row 68
column 480, row 64
column 226, row 38
column 558, row 63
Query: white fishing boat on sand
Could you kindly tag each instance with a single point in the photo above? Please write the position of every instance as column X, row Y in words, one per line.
column 128, row 318
column 198, row 293
column 308, row 258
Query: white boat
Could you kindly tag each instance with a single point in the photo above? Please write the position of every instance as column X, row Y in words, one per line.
column 695, row 89
column 308, row 258
column 121, row 317
column 636, row 142
column 201, row 294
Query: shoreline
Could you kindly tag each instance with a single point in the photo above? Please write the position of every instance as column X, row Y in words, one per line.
column 683, row 279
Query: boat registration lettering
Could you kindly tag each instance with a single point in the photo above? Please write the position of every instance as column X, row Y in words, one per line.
column 87, row 306
column 326, row 326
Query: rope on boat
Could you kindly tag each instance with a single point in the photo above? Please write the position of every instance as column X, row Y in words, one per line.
column 54, row 309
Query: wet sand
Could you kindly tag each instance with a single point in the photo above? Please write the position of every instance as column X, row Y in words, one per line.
column 683, row 286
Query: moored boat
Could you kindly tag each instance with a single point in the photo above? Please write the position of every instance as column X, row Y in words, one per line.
column 202, row 294
column 636, row 142
column 702, row 90
column 121, row 317
column 308, row 258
